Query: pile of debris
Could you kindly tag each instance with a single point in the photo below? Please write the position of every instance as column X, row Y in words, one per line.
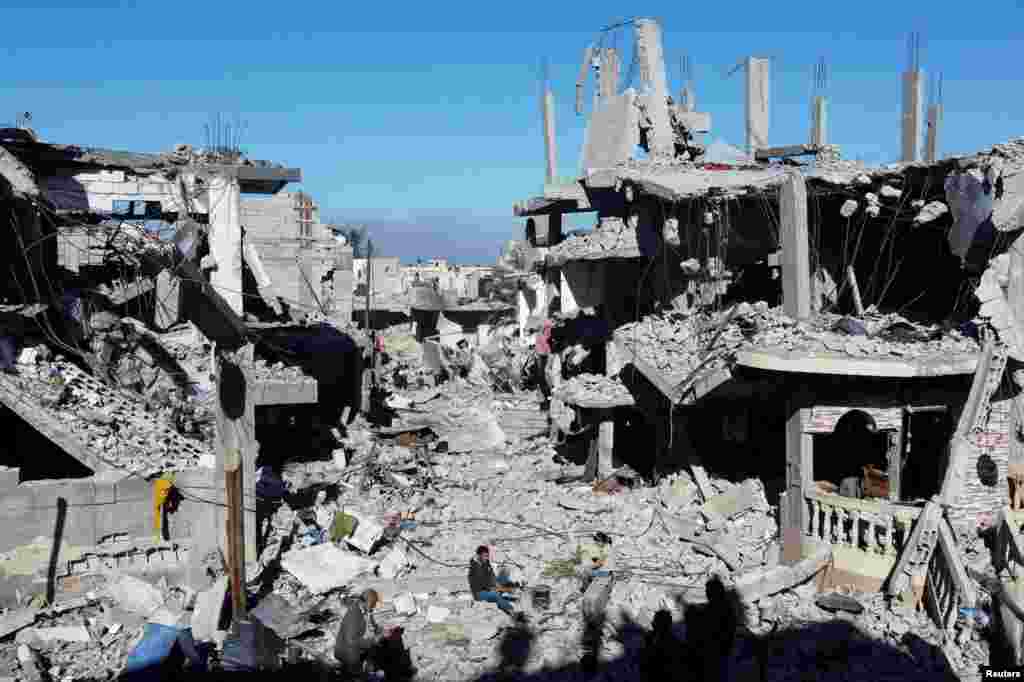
column 678, row 343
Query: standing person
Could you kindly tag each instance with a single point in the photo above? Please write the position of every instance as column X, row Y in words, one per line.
column 484, row 585
column 358, row 634
column 660, row 659
column 542, row 346
column 711, row 632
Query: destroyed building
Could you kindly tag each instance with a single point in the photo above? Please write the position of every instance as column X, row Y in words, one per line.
column 110, row 330
column 816, row 325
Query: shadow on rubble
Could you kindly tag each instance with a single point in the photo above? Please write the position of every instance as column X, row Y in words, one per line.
column 837, row 649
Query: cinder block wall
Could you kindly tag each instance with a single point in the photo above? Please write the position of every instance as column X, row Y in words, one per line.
column 99, row 511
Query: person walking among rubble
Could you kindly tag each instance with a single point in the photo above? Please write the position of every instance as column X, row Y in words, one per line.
column 359, row 634
column 483, row 583
column 542, row 347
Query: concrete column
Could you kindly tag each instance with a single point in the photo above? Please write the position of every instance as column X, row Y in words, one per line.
column 911, row 133
column 522, row 313
column 799, row 477
column 609, row 83
column 654, row 87
column 758, row 89
column 819, row 123
column 549, row 134
column 226, row 239
column 931, row 145
column 796, row 268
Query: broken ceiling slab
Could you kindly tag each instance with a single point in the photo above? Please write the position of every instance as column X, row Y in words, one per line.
column 613, row 239
column 764, row 583
column 673, row 183
column 933, row 365
column 786, row 152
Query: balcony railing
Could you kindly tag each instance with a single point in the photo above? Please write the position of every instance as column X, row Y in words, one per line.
column 871, row 526
column 948, row 587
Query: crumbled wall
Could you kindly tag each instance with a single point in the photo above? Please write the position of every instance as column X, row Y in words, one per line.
column 96, row 511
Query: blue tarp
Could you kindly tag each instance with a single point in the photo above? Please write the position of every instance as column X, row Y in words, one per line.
column 147, row 661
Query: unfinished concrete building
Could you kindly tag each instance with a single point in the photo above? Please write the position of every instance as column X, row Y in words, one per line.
column 813, row 325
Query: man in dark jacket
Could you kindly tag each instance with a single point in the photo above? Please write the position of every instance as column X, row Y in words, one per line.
column 358, row 634
column 483, row 584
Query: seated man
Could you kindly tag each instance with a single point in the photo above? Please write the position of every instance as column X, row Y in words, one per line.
column 484, row 585
column 359, row 634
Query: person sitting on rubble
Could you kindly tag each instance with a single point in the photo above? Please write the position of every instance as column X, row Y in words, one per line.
column 483, row 583
column 359, row 635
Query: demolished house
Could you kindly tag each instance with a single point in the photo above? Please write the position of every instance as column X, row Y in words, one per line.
column 841, row 333
column 110, row 330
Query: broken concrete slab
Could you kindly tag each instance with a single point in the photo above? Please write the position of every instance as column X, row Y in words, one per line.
column 325, row 567
column 612, row 133
column 764, row 583
column 14, row 621
column 57, row 633
column 749, row 495
column 392, row 564
column 134, row 595
column 207, row 612
column 437, row 614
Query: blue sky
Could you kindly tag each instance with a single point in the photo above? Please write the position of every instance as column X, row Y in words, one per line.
column 422, row 120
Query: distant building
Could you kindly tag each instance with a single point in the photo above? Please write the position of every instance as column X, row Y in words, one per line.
column 386, row 275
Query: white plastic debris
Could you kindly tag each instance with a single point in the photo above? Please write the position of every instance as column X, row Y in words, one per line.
column 848, row 208
column 28, row 356
column 437, row 614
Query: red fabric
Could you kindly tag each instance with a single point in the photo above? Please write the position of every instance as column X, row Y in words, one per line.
column 543, row 343
column 379, row 343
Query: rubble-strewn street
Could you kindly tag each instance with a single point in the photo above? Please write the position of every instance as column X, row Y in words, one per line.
column 716, row 412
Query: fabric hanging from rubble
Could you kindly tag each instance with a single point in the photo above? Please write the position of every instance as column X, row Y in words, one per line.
column 162, row 490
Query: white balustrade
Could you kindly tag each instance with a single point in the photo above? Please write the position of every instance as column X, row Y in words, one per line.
column 869, row 525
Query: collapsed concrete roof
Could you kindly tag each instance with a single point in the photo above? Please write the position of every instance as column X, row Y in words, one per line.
column 688, row 355
column 256, row 177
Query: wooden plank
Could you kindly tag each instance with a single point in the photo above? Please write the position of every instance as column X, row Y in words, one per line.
column 796, row 267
